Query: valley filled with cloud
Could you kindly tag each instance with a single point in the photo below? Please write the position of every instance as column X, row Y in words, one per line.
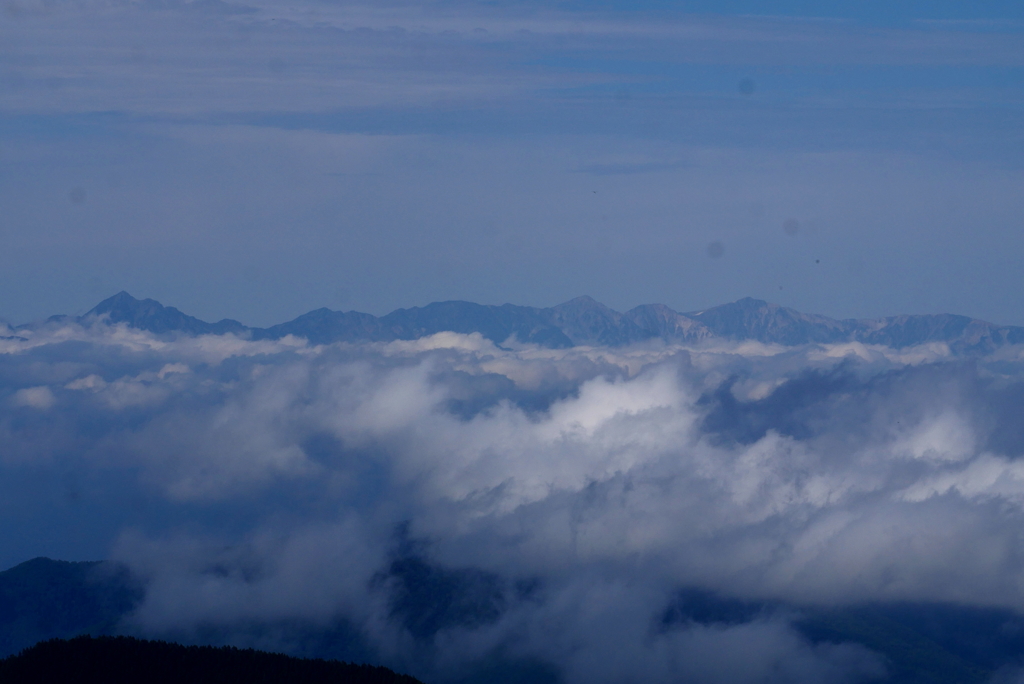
column 446, row 505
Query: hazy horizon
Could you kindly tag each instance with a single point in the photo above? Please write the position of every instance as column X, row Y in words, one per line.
column 251, row 160
column 774, row 302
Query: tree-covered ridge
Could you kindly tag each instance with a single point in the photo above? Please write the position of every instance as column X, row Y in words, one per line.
column 126, row 660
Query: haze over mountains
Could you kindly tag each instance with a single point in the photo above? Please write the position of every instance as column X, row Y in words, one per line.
column 583, row 322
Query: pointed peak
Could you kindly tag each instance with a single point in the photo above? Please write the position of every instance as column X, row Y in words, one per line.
column 122, row 300
column 751, row 303
column 653, row 307
column 582, row 302
column 746, row 305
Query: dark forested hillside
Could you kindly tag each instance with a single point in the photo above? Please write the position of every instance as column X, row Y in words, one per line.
column 124, row 660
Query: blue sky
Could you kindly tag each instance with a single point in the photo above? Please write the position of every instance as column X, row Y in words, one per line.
column 256, row 159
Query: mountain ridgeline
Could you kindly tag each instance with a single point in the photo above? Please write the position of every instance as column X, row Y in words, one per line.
column 582, row 322
column 126, row 660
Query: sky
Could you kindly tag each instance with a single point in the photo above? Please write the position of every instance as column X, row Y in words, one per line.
column 255, row 159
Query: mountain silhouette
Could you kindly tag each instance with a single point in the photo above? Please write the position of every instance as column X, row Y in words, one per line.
column 581, row 322
column 126, row 660
column 151, row 315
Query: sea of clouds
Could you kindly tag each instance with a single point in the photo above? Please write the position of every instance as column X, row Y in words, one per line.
column 446, row 504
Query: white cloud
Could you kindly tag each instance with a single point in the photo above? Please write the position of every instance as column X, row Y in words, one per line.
column 609, row 478
column 89, row 382
column 36, row 397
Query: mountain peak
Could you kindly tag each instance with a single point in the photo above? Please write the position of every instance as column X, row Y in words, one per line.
column 582, row 300
column 582, row 321
column 751, row 303
column 151, row 315
column 118, row 302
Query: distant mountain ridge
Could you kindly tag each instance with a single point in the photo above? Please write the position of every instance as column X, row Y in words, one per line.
column 151, row 315
column 582, row 322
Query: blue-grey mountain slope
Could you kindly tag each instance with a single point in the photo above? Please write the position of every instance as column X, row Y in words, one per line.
column 963, row 334
column 754, row 319
column 46, row 599
column 582, row 322
column 151, row 315
column 496, row 323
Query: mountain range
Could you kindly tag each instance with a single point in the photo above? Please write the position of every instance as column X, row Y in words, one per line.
column 581, row 322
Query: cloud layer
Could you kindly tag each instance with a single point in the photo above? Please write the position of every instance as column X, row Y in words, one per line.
column 443, row 504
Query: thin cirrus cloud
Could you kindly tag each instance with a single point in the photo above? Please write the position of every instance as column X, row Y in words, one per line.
column 186, row 59
column 279, row 484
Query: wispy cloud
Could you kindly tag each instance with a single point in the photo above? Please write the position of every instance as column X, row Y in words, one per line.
column 189, row 58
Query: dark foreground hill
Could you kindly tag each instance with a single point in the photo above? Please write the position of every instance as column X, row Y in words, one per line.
column 125, row 660
column 581, row 322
